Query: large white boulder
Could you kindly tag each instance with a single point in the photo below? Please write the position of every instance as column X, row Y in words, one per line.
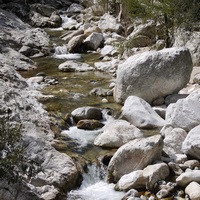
column 140, row 113
column 193, row 190
column 153, row 74
column 134, row 155
column 116, row 133
column 185, row 113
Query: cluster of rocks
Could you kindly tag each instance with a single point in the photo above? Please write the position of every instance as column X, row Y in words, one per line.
column 172, row 152
column 18, row 104
column 149, row 163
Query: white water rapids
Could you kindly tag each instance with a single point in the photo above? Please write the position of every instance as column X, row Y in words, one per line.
column 94, row 187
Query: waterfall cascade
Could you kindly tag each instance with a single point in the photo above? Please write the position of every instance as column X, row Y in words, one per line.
column 94, row 187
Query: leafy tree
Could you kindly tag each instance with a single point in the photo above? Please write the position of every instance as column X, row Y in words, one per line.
column 168, row 13
column 13, row 160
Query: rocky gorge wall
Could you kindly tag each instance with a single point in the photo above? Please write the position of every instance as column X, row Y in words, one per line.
column 19, row 42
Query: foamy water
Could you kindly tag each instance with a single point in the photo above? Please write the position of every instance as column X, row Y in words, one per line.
column 94, row 187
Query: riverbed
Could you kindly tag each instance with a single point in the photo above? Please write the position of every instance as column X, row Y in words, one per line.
column 71, row 92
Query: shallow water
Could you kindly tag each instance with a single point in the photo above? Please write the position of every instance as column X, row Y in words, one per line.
column 73, row 88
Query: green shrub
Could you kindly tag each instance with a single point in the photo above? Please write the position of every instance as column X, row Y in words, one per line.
column 14, row 163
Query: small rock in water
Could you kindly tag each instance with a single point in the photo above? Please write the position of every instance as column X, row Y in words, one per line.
column 89, row 124
column 104, row 100
column 163, row 193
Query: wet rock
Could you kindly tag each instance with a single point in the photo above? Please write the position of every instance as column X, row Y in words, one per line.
column 59, row 145
column 74, row 66
column 116, row 133
column 134, row 155
column 100, row 92
column 89, row 124
column 139, row 112
column 150, row 71
column 86, row 113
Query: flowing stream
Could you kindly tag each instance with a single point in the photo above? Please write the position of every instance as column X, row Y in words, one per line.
column 71, row 92
column 94, row 187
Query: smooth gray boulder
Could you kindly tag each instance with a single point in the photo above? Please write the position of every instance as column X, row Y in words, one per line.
column 191, row 144
column 154, row 74
column 187, row 177
column 193, row 190
column 139, row 113
column 185, row 113
column 116, row 133
column 134, row 155
column 132, row 180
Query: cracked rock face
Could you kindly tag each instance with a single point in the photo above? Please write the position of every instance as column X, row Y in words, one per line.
column 16, row 103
